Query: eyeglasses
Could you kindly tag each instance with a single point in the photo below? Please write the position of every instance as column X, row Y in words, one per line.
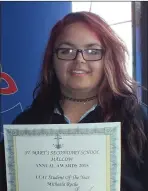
column 71, row 54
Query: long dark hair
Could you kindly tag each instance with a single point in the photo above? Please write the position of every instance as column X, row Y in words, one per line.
column 117, row 93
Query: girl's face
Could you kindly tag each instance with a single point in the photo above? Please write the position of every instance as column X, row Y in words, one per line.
column 83, row 73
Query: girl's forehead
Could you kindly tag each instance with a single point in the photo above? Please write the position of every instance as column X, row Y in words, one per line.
column 78, row 34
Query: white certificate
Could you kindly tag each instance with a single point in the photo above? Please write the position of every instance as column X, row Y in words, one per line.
column 63, row 157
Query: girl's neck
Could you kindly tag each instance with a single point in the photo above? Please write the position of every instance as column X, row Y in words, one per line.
column 75, row 110
column 78, row 94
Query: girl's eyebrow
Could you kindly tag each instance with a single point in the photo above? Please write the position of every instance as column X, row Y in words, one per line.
column 85, row 46
column 66, row 43
column 92, row 44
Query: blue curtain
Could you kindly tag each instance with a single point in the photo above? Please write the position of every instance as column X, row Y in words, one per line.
column 25, row 28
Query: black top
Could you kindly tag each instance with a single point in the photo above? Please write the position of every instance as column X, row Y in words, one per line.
column 133, row 177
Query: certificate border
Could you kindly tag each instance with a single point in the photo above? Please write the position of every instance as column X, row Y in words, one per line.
column 112, row 136
column 108, row 182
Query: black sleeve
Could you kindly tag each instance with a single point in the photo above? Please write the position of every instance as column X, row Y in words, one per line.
column 3, row 185
column 144, row 167
column 26, row 117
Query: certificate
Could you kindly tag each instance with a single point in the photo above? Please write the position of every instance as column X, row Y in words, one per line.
column 63, row 157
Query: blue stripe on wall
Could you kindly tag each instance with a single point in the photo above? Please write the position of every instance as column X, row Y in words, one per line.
column 138, row 56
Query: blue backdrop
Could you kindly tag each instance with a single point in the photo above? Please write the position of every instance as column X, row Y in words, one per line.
column 25, row 30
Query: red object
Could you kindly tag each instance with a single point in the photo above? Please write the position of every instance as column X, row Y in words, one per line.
column 11, row 88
